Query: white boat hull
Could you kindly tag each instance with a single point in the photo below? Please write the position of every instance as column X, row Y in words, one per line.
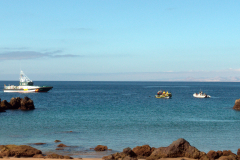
column 201, row 96
column 20, row 91
column 26, row 89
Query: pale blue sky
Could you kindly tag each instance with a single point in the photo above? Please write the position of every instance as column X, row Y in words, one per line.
column 155, row 40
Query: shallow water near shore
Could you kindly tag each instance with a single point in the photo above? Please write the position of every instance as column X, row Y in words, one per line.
column 124, row 114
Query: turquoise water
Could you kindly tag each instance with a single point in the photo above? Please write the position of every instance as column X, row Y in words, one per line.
column 124, row 114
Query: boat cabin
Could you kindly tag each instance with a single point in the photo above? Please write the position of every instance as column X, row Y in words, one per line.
column 25, row 83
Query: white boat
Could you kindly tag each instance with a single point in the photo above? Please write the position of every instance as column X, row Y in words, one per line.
column 26, row 85
column 201, row 95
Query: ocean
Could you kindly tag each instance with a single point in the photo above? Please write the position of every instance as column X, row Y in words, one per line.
column 123, row 114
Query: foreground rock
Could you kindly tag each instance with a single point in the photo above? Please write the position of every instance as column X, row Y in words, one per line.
column 18, row 103
column 238, row 152
column 5, row 105
column 101, row 148
column 143, row 151
column 222, row 155
column 214, row 155
column 27, row 104
column 26, row 151
column 179, row 148
column 18, row 151
column 15, row 103
column 126, row 154
column 237, row 105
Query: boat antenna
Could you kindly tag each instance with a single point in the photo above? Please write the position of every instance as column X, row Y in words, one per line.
column 24, row 78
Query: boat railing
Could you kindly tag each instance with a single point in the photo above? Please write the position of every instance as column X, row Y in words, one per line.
column 10, row 87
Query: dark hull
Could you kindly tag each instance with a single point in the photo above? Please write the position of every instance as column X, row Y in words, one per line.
column 44, row 89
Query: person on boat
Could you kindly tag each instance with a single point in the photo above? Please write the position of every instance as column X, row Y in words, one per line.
column 159, row 92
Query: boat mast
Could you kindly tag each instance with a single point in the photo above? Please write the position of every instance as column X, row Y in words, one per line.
column 24, row 78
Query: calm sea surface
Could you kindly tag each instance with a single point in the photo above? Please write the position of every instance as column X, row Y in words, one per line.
column 124, row 114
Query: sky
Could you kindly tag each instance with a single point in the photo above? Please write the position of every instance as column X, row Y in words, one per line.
column 120, row 40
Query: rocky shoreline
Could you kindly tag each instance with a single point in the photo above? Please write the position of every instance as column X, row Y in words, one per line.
column 17, row 103
column 178, row 148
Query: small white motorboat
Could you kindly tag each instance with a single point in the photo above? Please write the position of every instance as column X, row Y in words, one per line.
column 201, row 95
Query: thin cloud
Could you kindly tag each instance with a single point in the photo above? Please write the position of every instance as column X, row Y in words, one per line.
column 235, row 70
column 66, row 55
column 168, row 71
column 21, row 55
column 8, row 48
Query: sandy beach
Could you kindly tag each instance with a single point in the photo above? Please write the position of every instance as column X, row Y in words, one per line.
column 49, row 158
column 12, row 158
column 180, row 158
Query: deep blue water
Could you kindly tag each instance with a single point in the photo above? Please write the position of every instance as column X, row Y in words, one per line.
column 124, row 114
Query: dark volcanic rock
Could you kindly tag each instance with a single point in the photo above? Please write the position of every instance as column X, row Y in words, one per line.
column 27, row 104
column 5, row 105
column 15, row 103
column 57, row 141
column 1, row 109
column 237, row 105
column 101, row 148
column 179, row 148
column 18, row 151
column 143, row 151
